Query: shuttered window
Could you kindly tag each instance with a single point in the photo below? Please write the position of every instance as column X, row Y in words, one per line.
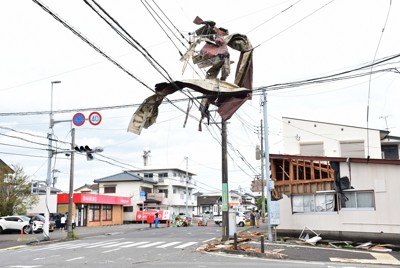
column 352, row 149
column 312, row 149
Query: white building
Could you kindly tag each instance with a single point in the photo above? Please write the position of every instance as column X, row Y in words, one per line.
column 312, row 138
column 164, row 189
column 325, row 181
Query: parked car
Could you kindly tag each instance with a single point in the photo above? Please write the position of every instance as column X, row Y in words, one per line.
column 39, row 221
column 15, row 223
column 240, row 219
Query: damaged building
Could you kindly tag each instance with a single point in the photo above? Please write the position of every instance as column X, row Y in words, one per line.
column 330, row 184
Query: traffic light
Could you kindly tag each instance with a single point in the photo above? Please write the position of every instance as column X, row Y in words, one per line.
column 35, row 187
column 85, row 149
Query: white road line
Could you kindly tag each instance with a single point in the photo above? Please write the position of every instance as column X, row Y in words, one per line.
column 168, row 245
column 116, row 245
column 380, row 258
column 74, row 259
column 134, row 244
column 101, row 245
column 111, row 250
column 77, row 245
column 205, row 241
column 186, row 245
column 151, row 244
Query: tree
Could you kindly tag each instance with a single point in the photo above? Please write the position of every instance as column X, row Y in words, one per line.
column 259, row 204
column 15, row 192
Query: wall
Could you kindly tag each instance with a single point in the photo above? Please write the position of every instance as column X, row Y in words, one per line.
column 298, row 131
column 381, row 223
column 40, row 208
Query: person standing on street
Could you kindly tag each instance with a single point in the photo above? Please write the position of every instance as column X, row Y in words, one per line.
column 63, row 220
column 156, row 219
column 258, row 217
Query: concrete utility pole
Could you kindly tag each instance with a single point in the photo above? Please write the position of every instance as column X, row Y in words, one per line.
column 187, row 193
column 71, row 185
column 262, row 175
column 50, row 156
column 267, row 170
column 225, row 192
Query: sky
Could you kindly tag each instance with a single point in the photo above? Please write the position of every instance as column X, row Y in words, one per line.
column 293, row 41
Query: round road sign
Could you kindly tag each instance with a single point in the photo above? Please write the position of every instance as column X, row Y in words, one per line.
column 78, row 119
column 95, row 118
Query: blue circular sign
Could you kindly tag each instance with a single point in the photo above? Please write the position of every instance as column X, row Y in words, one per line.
column 78, row 119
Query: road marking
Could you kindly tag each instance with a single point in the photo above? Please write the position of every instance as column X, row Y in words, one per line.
column 151, row 244
column 116, row 245
column 205, row 241
column 134, row 244
column 168, row 244
column 186, row 245
column 101, row 244
column 74, row 259
column 111, row 250
column 380, row 258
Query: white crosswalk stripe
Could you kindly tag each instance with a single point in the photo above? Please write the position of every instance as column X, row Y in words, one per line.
column 116, row 245
column 150, row 245
column 134, row 244
column 168, row 245
column 186, row 245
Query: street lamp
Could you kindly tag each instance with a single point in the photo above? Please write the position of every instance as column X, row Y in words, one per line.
column 50, row 156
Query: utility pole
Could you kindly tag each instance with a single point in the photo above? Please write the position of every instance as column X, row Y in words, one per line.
column 50, row 156
column 267, row 171
column 187, row 193
column 225, row 192
column 71, row 185
column 262, row 175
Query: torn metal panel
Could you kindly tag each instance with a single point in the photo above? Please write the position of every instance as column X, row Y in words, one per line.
column 146, row 114
column 226, row 96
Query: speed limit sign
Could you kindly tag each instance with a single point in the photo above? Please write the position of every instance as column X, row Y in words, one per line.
column 95, row 118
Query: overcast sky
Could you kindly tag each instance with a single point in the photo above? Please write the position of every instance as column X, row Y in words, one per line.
column 293, row 40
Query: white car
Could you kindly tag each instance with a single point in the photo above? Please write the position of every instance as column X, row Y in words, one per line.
column 17, row 223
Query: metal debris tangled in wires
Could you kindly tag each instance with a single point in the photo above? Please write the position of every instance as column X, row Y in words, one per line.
column 214, row 54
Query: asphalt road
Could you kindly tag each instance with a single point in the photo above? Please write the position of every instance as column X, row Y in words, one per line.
column 134, row 244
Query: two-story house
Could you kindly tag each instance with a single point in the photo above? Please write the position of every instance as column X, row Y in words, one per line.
column 163, row 188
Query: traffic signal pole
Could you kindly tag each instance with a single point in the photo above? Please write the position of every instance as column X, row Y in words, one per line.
column 71, row 185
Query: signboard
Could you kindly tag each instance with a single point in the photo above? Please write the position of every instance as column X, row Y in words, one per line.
column 163, row 215
column 142, row 196
column 78, row 119
column 95, row 118
column 80, row 198
column 275, row 213
column 224, row 197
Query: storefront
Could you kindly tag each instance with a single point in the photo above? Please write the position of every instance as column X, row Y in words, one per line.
column 94, row 209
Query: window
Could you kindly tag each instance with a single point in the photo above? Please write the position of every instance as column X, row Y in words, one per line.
column 163, row 175
column 94, row 213
column 358, row 199
column 106, row 213
column 174, row 190
column 128, row 209
column 321, row 202
column 165, row 191
column 109, row 189
column 312, row 148
column 148, row 175
column 352, row 149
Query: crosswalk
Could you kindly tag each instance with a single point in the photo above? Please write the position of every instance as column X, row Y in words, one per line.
column 117, row 244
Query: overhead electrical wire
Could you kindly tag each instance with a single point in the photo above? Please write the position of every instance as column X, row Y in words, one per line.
column 372, row 65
